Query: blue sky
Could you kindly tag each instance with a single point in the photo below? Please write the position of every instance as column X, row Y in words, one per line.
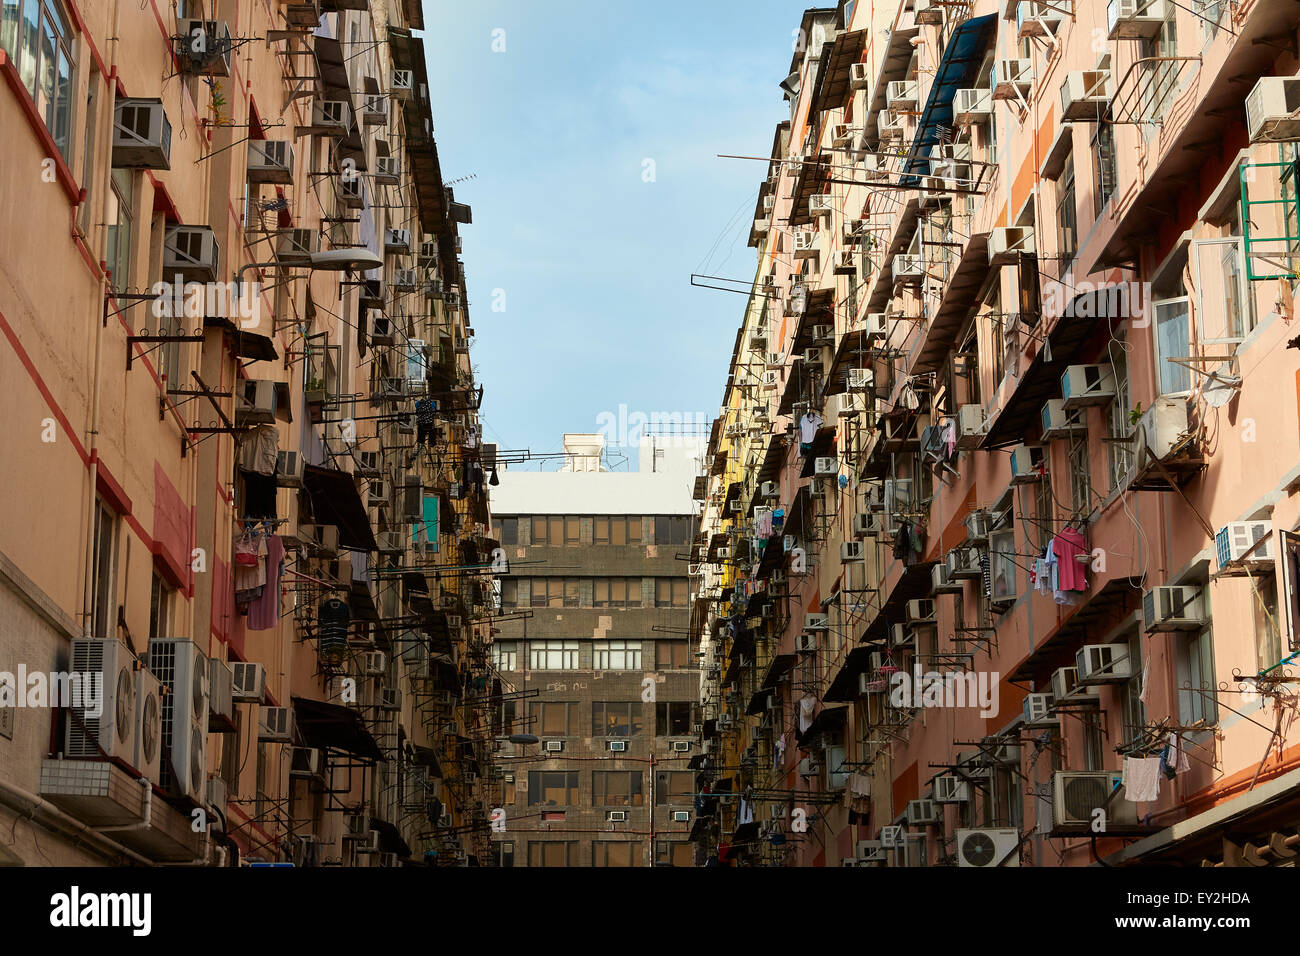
column 595, row 262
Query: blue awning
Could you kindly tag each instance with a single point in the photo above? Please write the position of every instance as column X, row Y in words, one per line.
column 961, row 58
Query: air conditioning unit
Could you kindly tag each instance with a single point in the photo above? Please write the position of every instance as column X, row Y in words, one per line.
column 371, row 293
column 920, row 611
column 1006, row 243
column 809, row 767
column 805, row 642
column 964, row 562
column 305, row 762
column 1134, row 19
column 401, row 84
column 1173, row 608
column 406, row 280
column 805, row 244
column 988, row 847
column 1059, row 423
column 972, row 425
column 221, row 702
column 1066, row 686
column 1038, row 711
column 296, row 246
column 182, row 669
column 1083, row 385
column 949, row 788
column 723, row 554
column 275, row 725
column 373, row 663
column 900, row 635
column 356, row 826
column 922, row 813
column 1161, row 427
column 129, row 725
column 397, row 241
column 859, row 78
column 948, row 153
column 390, row 699
column 374, row 110
column 681, row 816
column 813, row 356
column 1085, row 95
column 554, row 746
column 725, row 722
column 897, row 495
column 618, row 746
column 331, row 117
column 1236, row 538
column 820, row 204
column 1038, row 18
column 844, row 263
column 866, row 524
column 758, row 340
column 977, row 525
column 270, row 161
column 1027, row 464
column 192, row 253
column 388, row 171
column 972, row 105
column 875, row 167
column 350, row 191
column 941, row 582
column 900, row 95
column 616, row 816
column 823, row 333
column 257, row 402
column 248, row 682
column 852, row 551
column 1011, row 79
column 928, row 11
column 1103, row 664
column 869, row 851
column 1078, row 795
column 908, row 268
column 1273, row 110
column 826, row 467
column 860, row 379
column 816, row 622
column 142, row 135
column 771, row 379
column 768, row 489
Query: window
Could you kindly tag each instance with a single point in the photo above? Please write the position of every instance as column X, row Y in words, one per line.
column 509, row 531
column 120, row 221
column 1043, row 509
column 548, row 531
column 1103, row 166
column 672, row 530
column 837, row 774
column 572, row 532
column 1080, row 485
column 1002, row 565
column 552, row 788
column 674, row 788
column 608, row 853
column 160, row 608
column 674, row 853
column 1090, row 722
column 1173, row 341
column 1132, row 710
column 1066, row 215
column 105, row 562
column 1211, row 12
column 509, row 592
column 997, row 344
column 503, row 853
column 616, row 592
column 619, row 530
column 507, row 789
column 616, row 788
column 617, row 655
column 673, row 718
column 555, row 718
column 553, row 853
column 1120, row 453
column 553, row 655
column 670, row 592
column 505, row 655
column 232, row 754
column 1238, row 302
column 672, row 655
column 615, row 719
column 1195, row 663
column 1268, row 638
column 35, row 35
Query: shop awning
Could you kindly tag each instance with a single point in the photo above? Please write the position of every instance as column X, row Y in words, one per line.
column 335, row 500
column 326, row 726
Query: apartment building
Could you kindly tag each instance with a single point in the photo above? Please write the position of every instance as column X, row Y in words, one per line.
column 598, row 673
column 999, row 536
column 241, row 449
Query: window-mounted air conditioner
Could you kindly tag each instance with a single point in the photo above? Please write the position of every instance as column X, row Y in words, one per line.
column 554, row 746
column 920, row 610
column 964, row 562
column 907, row 268
column 1038, row 18
column 247, row 682
column 397, row 241
column 402, row 84
column 618, row 746
column 405, row 280
column 852, row 551
column 972, row 105
column 805, row 244
column 859, row 78
column 866, row 523
column 374, row 110
column 390, row 699
column 1038, row 711
column 1134, row 19
column 860, row 379
column 1066, row 686
column 1083, row 385
column 844, row 263
column 275, row 725
column 305, row 762
column 1103, row 664
column 921, row 813
column 941, row 582
column 1027, row 464
column 296, row 246
column 809, row 767
column 1085, row 95
column 723, row 554
column 988, row 847
column 142, row 135
column 192, row 253
column 1006, row 243
column 972, row 425
column 977, row 525
column 900, row 94
column 1236, row 538
column 350, row 191
column 1273, row 110
column 768, row 489
column 289, row 469
column 1011, row 79
column 805, row 642
column 330, row 117
column 1058, row 422
column 949, row 788
column 812, row 356
column 270, row 161
column 388, row 171
column 820, row 204
column 371, row 293
column 1078, row 796
column 770, row 379
column 816, row 622
column 825, row 466
column 1173, row 608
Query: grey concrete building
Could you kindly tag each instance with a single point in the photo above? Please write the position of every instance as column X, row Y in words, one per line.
column 595, row 659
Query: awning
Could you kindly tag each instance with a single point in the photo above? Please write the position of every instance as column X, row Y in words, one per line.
column 962, row 57
column 823, row 444
column 422, row 160
column 426, row 757
column 757, row 702
column 852, row 351
column 893, row 66
column 325, row 726
column 335, row 500
column 1021, row 416
column 829, row 720
column 915, row 582
column 882, row 284
column 1111, row 600
column 834, row 88
column 390, row 838
column 844, row 685
column 959, row 298
column 780, row 665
